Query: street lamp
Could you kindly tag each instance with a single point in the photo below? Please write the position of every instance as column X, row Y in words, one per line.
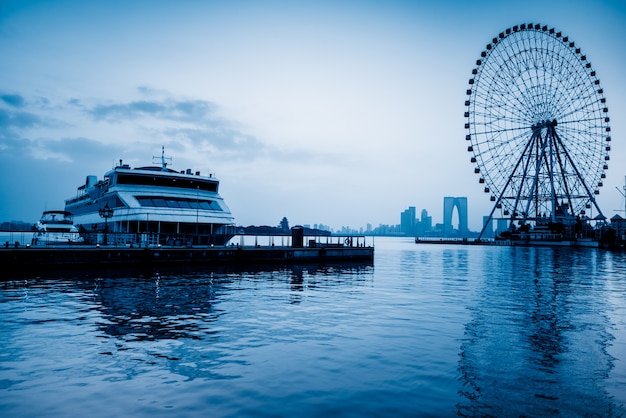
column 106, row 212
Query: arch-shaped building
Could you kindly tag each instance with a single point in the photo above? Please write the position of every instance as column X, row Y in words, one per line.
column 460, row 203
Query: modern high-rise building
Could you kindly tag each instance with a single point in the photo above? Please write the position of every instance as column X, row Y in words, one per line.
column 407, row 221
column 411, row 225
column 449, row 204
column 488, row 231
column 426, row 222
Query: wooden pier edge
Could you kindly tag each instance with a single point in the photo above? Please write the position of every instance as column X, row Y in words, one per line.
column 36, row 258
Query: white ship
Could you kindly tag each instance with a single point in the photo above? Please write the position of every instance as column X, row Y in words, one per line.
column 150, row 206
column 56, row 227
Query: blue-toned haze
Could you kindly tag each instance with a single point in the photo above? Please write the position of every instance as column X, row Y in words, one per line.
column 341, row 113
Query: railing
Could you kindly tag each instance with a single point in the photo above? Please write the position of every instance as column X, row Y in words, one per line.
column 310, row 241
column 148, row 240
column 10, row 238
column 153, row 239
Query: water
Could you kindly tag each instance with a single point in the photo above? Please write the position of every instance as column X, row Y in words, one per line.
column 11, row 237
column 429, row 330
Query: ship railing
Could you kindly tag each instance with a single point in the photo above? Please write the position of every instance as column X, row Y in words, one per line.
column 151, row 239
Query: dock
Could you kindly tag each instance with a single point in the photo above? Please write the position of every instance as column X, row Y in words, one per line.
column 521, row 242
column 26, row 258
column 459, row 241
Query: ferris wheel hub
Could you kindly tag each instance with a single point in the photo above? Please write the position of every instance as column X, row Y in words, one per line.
column 544, row 124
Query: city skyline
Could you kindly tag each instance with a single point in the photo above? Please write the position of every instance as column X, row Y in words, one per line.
column 392, row 229
column 280, row 223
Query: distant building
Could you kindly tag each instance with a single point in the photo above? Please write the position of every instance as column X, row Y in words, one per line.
column 425, row 224
column 449, row 204
column 407, row 221
column 501, row 226
column 411, row 226
column 322, row 227
column 488, row 229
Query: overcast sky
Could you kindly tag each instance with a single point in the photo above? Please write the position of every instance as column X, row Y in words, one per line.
column 333, row 112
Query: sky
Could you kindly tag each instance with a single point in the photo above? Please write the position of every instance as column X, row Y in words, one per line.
column 342, row 113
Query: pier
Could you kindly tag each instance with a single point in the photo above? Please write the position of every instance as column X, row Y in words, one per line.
column 460, row 241
column 26, row 258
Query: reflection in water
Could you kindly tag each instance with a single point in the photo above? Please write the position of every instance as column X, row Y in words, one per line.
column 176, row 305
column 537, row 341
column 211, row 319
column 156, row 308
column 455, row 262
column 297, row 284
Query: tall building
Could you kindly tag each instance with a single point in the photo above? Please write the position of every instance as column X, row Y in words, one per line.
column 488, row 229
column 407, row 221
column 426, row 222
column 501, row 226
column 449, row 204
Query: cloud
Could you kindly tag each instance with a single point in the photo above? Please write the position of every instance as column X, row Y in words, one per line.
column 67, row 150
column 192, row 125
column 218, row 138
column 78, row 148
column 193, row 128
column 11, row 119
column 172, row 110
column 14, row 100
column 125, row 111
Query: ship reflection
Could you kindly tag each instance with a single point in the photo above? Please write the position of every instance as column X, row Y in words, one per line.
column 157, row 307
column 184, row 304
column 537, row 340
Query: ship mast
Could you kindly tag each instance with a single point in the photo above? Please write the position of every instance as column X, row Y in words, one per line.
column 163, row 158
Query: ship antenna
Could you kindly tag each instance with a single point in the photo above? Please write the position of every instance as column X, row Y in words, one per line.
column 163, row 158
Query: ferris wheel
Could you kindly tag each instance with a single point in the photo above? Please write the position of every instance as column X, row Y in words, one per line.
column 537, row 126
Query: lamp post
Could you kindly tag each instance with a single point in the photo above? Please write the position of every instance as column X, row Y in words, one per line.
column 106, row 212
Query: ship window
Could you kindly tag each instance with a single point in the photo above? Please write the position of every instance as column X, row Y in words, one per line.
column 86, row 205
column 159, row 202
column 177, row 203
column 166, row 181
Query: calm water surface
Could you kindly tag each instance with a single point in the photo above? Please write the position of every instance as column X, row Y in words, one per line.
column 428, row 330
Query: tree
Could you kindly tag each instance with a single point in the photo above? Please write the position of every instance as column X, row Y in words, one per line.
column 284, row 224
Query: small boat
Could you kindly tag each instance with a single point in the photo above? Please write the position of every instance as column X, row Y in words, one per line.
column 56, row 227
